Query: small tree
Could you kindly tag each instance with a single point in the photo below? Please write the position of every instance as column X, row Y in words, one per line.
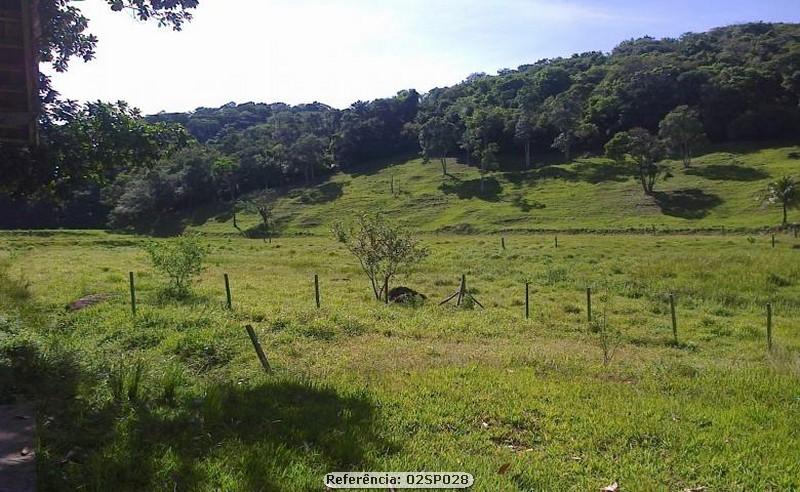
column 382, row 249
column 682, row 130
column 180, row 258
column 609, row 337
column 784, row 192
column 523, row 133
column 437, row 137
column 225, row 170
column 263, row 204
column 488, row 162
column 645, row 150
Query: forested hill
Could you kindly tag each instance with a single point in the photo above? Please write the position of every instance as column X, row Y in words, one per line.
column 740, row 82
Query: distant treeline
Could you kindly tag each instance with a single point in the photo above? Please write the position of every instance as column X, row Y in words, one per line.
column 742, row 81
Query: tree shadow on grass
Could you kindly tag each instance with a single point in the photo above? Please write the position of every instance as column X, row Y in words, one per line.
column 247, row 435
column 472, row 189
column 690, row 203
column 374, row 166
column 581, row 170
column 323, row 193
column 526, row 205
column 599, row 172
column 533, row 175
column 728, row 172
column 171, row 223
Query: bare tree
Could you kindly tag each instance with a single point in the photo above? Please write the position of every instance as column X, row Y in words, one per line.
column 263, row 204
column 609, row 337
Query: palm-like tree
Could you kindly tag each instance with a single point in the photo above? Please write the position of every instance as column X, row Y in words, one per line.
column 784, row 192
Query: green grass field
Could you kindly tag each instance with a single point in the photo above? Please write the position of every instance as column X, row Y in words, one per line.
column 592, row 194
column 175, row 399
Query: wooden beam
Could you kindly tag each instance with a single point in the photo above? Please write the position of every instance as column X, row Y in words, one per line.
column 31, row 67
column 8, row 120
column 19, row 91
column 11, row 68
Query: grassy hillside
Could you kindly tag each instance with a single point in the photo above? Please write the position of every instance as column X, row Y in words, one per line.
column 587, row 194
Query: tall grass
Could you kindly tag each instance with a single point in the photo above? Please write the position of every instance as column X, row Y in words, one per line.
column 176, row 398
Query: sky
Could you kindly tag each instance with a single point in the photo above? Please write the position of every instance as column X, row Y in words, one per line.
column 340, row 51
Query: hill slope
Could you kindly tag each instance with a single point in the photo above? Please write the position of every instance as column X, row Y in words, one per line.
column 590, row 194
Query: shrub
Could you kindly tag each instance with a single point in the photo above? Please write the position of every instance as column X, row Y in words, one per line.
column 382, row 249
column 180, row 258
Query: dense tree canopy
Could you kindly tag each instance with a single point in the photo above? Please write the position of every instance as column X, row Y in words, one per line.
column 739, row 82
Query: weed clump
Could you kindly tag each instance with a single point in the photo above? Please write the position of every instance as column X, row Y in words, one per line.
column 181, row 259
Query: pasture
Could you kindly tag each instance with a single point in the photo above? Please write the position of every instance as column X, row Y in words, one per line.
column 175, row 399
column 591, row 194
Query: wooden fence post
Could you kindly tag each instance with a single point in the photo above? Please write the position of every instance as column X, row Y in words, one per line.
column 527, row 301
column 674, row 318
column 228, row 291
column 773, row 240
column 316, row 289
column 556, row 241
column 589, row 304
column 259, row 351
column 503, row 242
column 133, row 294
column 769, row 326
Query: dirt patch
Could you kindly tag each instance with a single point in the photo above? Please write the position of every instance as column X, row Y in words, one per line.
column 87, row 301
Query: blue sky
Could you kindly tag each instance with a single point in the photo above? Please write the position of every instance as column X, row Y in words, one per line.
column 338, row 51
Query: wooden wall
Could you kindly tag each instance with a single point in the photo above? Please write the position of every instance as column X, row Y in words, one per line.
column 19, row 71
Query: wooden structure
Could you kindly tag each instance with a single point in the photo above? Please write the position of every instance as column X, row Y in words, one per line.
column 19, row 71
column 461, row 294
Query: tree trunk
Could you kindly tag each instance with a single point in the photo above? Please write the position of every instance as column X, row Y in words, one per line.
column 784, row 214
column 687, row 156
column 527, row 154
column 643, row 180
column 482, row 186
column 375, row 289
column 444, row 166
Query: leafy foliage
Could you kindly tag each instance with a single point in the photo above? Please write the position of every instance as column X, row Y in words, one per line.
column 733, row 83
column 382, row 249
column 682, row 130
column 784, row 192
column 437, row 138
column 645, row 150
column 64, row 27
column 263, row 204
column 180, row 258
